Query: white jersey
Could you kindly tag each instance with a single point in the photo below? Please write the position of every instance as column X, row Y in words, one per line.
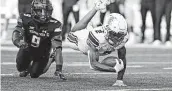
column 82, row 39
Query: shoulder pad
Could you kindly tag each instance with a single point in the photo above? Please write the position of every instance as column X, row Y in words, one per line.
column 55, row 22
column 27, row 15
column 26, row 18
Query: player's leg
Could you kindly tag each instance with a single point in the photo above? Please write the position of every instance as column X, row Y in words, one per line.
column 76, row 14
column 152, row 10
column 23, row 61
column 168, row 10
column 114, row 7
column 66, row 10
column 143, row 14
column 159, row 11
column 40, row 60
column 27, row 8
column 59, row 63
column 37, row 67
column 102, row 15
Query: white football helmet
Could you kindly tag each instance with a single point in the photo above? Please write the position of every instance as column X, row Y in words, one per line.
column 116, row 27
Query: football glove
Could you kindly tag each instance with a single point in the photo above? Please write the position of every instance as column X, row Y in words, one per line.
column 101, row 5
column 23, row 45
column 23, row 73
column 119, row 65
column 119, row 83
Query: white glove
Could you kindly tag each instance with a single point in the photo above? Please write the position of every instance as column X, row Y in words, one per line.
column 101, row 5
column 119, row 65
column 119, row 83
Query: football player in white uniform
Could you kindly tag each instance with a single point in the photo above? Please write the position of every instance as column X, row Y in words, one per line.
column 102, row 40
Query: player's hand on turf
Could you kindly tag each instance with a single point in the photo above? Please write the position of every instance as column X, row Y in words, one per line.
column 119, row 65
column 119, row 83
column 60, row 75
column 101, row 5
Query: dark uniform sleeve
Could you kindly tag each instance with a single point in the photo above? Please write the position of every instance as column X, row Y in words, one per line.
column 18, row 33
column 56, row 38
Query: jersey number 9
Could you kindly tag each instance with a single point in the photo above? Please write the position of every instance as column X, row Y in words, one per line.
column 35, row 41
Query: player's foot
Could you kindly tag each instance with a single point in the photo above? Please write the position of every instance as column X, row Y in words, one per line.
column 23, row 73
column 60, row 75
column 157, row 42
column 119, row 83
column 168, row 43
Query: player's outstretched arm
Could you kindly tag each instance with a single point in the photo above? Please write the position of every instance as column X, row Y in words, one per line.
column 84, row 21
column 56, row 55
column 93, row 59
column 122, row 56
column 100, row 5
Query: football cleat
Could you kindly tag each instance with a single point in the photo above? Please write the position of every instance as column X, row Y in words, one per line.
column 119, row 65
column 119, row 83
column 23, row 73
column 60, row 75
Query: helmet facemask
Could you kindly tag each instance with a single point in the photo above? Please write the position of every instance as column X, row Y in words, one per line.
column 41, row 10
column 114, row 38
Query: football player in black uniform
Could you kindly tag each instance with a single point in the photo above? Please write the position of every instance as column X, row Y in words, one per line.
column 36, row 34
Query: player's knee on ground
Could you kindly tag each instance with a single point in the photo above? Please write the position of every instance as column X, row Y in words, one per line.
column 34, row 75
column 21, row 67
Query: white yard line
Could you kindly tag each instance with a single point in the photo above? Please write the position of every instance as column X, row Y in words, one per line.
column 73, row 64
column 103, row 73
column 136, row 64
column 13, row 48
column 168, row 68
column 16, row 49
column 145, row 89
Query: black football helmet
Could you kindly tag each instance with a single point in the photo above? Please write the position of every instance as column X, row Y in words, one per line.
column 41, row 10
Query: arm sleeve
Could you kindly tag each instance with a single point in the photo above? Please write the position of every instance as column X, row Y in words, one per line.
column 56, row 40
column 93, row 58
column 18, row 33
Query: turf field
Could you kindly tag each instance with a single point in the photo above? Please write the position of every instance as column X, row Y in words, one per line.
column 148, row 68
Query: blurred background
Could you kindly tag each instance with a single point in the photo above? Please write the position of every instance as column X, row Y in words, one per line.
column 149, row 21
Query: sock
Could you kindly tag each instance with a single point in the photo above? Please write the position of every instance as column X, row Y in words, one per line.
column 59, row 68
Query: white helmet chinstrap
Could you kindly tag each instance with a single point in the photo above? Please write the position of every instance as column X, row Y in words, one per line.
column 116, row 27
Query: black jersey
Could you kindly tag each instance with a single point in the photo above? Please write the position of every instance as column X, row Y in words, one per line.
column 38, row 35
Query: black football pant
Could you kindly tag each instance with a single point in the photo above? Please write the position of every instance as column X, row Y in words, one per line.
column 66, row 12
column 163, row 7
column 24, row 59
column 147, row 5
